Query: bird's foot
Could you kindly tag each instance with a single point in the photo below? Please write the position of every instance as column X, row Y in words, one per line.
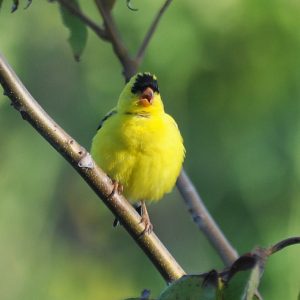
column 117, row 188
column 145, row 220
column 148, row 225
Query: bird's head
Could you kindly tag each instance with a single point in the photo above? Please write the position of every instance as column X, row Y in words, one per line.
column 141, row 94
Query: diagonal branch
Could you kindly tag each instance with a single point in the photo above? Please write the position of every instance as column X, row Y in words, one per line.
column 74, row 153
column 85, row 19
column 151, row 31
column 204, row 220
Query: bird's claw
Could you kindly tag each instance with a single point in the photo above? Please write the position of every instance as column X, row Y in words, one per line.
column 117, row 188
column 145, row 220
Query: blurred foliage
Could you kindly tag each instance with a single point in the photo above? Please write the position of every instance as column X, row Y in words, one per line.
column 229, row 73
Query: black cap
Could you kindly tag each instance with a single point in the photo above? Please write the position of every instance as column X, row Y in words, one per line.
column 144, row 80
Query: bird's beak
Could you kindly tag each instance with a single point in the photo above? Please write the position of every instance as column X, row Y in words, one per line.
column 146, row 97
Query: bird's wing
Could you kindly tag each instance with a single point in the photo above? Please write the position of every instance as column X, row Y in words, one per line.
column 107, row 116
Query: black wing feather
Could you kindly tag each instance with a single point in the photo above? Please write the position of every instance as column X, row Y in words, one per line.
column 111, row 113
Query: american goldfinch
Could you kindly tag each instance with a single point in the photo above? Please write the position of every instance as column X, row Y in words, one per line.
column 139, row 146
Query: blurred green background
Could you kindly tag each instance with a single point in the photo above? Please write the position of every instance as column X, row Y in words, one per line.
column 229, row 72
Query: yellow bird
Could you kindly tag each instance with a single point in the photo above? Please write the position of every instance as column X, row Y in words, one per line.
column 139, row 146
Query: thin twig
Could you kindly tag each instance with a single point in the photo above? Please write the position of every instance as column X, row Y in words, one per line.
column 86, row 20
column 204, row 221
column 151, row 31
column 95, row 177
column 282, row 244
column 129, row 66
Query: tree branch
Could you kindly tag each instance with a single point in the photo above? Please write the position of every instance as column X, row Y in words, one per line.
column 95, row 177
column 282, row 244
column 86, row 20
column 151, row 31
column 204, row 220
column 129, row 65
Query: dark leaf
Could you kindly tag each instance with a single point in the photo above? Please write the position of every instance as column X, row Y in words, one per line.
column 243, row 263
column 15, row 6
column 78, row 30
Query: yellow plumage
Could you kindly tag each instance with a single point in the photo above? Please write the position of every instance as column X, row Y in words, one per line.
column 138, row 144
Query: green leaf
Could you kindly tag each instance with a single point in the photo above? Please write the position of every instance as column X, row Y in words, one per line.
column 198, row 287
column 235, row 288
column 243, row 279
column 1, row 1
column 78, row 30
column 252, row 283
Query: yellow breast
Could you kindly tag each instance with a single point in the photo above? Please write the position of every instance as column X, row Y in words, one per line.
column 143, row 152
